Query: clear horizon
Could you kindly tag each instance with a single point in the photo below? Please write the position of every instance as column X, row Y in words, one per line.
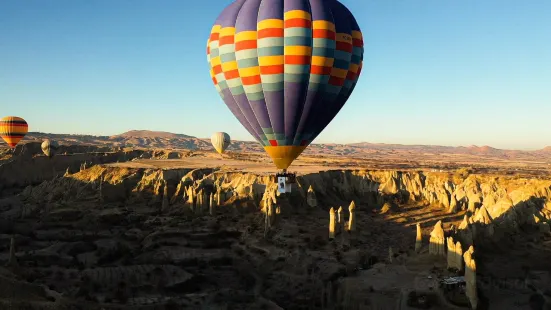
column 329, row 142
column 444, row 73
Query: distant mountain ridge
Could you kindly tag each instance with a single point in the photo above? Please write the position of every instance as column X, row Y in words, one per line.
column 150, row 134
column 168, row 140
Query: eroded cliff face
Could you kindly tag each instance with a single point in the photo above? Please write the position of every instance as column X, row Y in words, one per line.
column 497, row 200
column 27, row 165
column 178, row 227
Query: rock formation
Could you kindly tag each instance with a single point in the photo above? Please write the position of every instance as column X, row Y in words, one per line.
column 454, row 206
column 388, row 207
column 475, row 191
column 269, row 207
column 190, row 199
column 218, row 196
column 165, row 203
column 465, row 232
column 418, row 238
column 458, row 256
column 450, row 252
column 211, row 204
column 454, row 254
column 332, row 224
column 100, row 190
column 311, row 197
column 470, row 277
column 482, row 216
column 352, row 217
column 340, row 221
column 200, row 204
column 132, row 193
column 436, row 245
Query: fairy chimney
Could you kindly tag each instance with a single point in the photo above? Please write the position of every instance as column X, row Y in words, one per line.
column 332, row 224
column 352, row 217
column 436, row 245
column 418, row 238
column 311, row 197
column 165, row 203
column 211, row 204
column 455, row 254
column 470, row 277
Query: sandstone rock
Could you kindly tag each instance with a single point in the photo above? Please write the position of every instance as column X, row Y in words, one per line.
column 165, row 203
column 418, row 238
column 483, row 216
column 332, row 223
column 473, row 204
column 465, row 223
column 451, row 250
column 454, row 206
column 470, row 277
column 465, row 232
column 458, row 256
column 191, row 200
column 340, row 221
column 211, row 204
column 500, row 207
column 436, row 246
column 390, row 186
column 271, row 210
column 352, row 217
column 311, row 197
column 199, row 205
column 388, row 207
column 455, row 254
column 219, row 196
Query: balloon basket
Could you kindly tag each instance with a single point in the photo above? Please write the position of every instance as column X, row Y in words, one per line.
column 284, row 181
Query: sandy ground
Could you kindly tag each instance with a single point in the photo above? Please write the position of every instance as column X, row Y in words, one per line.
column 225, row 164
column 308, row 163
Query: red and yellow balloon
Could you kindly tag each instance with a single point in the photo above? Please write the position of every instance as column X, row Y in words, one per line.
column 13, row 129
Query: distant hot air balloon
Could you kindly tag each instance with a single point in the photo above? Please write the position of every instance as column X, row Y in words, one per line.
column 220, row 141
column 285, row 68
column 49, row 147
column 13, row 129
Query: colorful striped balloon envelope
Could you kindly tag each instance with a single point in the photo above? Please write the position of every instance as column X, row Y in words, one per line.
column 13, row 129
column 285, row 68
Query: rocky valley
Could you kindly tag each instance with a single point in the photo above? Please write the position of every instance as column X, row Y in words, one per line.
column 112, row 227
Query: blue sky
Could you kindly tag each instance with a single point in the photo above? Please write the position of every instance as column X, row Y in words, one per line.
column 444, row 72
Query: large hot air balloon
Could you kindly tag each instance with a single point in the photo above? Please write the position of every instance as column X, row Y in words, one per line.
column 285, row 68
column 220, row 141
column 13, row 129
column 49, row 147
